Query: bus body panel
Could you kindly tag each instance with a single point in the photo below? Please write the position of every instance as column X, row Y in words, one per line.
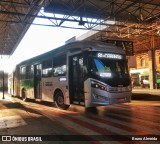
column 97, row 97
column 87, row 93
column 120, row 97
column 27, row 84
column 30, row 93
column 11, row 84
column 47, row 89
column 60, row 83
column 50, row 85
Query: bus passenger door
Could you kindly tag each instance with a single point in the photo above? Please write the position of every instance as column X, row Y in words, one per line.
column 37, row 81
column 76, row 81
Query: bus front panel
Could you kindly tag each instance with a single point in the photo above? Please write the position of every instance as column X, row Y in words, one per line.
column 108, row 78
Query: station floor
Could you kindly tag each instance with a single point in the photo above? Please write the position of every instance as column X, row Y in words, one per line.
column 14, row 117
column 146, row 94
column 146, row 91
column 7, row 103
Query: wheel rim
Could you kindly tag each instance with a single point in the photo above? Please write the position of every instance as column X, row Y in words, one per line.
column 24, row 98
column 60, row 100
column 23, row 94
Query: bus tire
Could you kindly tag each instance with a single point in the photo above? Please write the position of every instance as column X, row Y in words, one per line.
column 24, row 97
column 59, row 101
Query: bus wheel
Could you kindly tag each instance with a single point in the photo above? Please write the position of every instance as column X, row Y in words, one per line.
column 24, row 97
column 59, row 101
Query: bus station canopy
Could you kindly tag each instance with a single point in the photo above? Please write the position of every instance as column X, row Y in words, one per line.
column 136, row 20
column 15, row 19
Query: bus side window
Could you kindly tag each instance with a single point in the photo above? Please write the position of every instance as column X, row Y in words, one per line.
column 47, row 68
column 59, row 66
column 29, row 73
column 23, row 72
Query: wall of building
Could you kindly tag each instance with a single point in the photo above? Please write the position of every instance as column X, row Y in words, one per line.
column 141, row 69
column 141, row 61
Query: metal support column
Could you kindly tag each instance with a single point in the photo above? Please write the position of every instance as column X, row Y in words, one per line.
column 152, row 65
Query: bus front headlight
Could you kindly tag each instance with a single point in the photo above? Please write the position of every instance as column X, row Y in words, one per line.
column 98, row 85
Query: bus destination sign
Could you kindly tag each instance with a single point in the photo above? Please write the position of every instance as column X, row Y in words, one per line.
column 109, row 55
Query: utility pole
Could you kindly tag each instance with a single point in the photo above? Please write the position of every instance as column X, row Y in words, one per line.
column 3, row 84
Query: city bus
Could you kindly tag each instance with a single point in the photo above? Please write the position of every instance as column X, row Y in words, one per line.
column 88, row 73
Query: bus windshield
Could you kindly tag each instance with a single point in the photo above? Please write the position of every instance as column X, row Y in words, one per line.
column 110, row 68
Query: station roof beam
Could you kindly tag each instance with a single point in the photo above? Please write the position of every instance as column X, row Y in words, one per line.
column 15, row 21
column 137, row 20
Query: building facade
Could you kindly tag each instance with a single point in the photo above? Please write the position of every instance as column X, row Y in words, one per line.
column 144, row 68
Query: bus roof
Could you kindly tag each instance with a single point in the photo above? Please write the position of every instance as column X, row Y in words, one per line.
column 76, row 46
column 95, row 45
